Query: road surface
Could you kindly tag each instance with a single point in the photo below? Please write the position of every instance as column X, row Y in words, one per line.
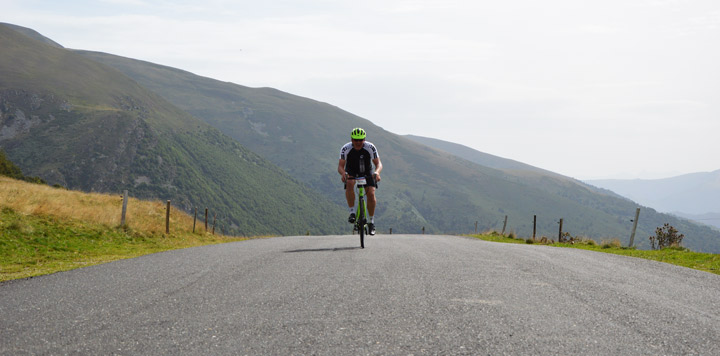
column 401, row 295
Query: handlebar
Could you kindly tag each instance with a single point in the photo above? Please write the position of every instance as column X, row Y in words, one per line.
column 365, row 177
column 349, row 177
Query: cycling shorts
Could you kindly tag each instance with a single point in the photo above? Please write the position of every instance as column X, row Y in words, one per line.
column 370, row 181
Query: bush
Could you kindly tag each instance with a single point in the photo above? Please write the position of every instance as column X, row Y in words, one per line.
column 565, row 237
column 666, row 236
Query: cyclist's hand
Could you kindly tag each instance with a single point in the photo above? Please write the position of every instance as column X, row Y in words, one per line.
column 377, row 177
column 344, row 178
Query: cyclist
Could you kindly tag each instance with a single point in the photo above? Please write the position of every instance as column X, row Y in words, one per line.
column 356, row 157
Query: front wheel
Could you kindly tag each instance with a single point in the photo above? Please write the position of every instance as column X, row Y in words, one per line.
column 361, row 223
column 362, row 236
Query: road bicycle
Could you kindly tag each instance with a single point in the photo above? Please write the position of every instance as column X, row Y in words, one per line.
column 361, row 216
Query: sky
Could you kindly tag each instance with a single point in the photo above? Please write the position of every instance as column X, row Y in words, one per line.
column 589, row 89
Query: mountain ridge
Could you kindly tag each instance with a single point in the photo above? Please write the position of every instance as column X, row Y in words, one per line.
column 481, row 158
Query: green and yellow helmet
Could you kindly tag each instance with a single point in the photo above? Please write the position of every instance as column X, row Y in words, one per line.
column 357, row 134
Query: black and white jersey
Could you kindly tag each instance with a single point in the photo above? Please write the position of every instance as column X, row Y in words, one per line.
column 359, row 162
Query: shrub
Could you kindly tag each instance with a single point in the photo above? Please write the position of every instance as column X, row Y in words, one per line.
column 565, row 237
column 666, row 236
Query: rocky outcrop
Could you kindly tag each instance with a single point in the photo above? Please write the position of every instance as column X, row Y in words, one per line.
column 21, row 110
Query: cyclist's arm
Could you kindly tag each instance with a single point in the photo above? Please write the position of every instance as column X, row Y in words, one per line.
column 341, row 170
column 378, row 168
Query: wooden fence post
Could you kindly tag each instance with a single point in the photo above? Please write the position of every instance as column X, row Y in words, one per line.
column 194, row 219
column 206, row 219
column 560, row 239
column 390, row 231
column 423, row 229
column 124, row 208
column 167, row 218
column 476, row 226
column 635, row 222
column 504, row 226
column 213, row 228
column 534, row 225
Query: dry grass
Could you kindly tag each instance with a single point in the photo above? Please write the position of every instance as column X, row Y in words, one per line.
column 45, row 230
column 611, row 243
column 104, row 209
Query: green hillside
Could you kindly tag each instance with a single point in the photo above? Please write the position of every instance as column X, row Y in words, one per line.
column 81, row 124
column 422, row 186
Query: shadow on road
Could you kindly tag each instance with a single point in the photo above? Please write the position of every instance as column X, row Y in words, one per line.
column 325, row 249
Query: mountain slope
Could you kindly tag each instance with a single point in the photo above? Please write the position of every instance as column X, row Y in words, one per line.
column 78, row 123
column 480, row 158
column 422, row 186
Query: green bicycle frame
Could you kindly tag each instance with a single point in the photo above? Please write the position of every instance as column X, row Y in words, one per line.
column 361, row 215
column 362, row 208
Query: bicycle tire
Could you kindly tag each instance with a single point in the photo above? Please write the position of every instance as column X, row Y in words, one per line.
column 361, row 223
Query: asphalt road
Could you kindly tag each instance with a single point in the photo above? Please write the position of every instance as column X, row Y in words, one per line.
column 401, row 295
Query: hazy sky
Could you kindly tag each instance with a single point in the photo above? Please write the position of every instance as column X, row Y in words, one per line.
column 589, row 89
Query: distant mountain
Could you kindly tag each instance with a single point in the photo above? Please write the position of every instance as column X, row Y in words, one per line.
column 81, row 124
column 692, row 196
column 695, row 193
column 711, row 219
column 444, row 192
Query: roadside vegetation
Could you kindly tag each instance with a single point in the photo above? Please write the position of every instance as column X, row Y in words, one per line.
column 675, row 254
column 47, row 229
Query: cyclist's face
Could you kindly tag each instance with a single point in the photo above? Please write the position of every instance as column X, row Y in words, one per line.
column 357, row 144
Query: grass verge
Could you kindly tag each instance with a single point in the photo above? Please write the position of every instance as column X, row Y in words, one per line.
column 708, row 262
column 34, row 245
column 45, row 230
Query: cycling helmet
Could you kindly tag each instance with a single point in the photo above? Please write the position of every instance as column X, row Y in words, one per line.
column 357, row 133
